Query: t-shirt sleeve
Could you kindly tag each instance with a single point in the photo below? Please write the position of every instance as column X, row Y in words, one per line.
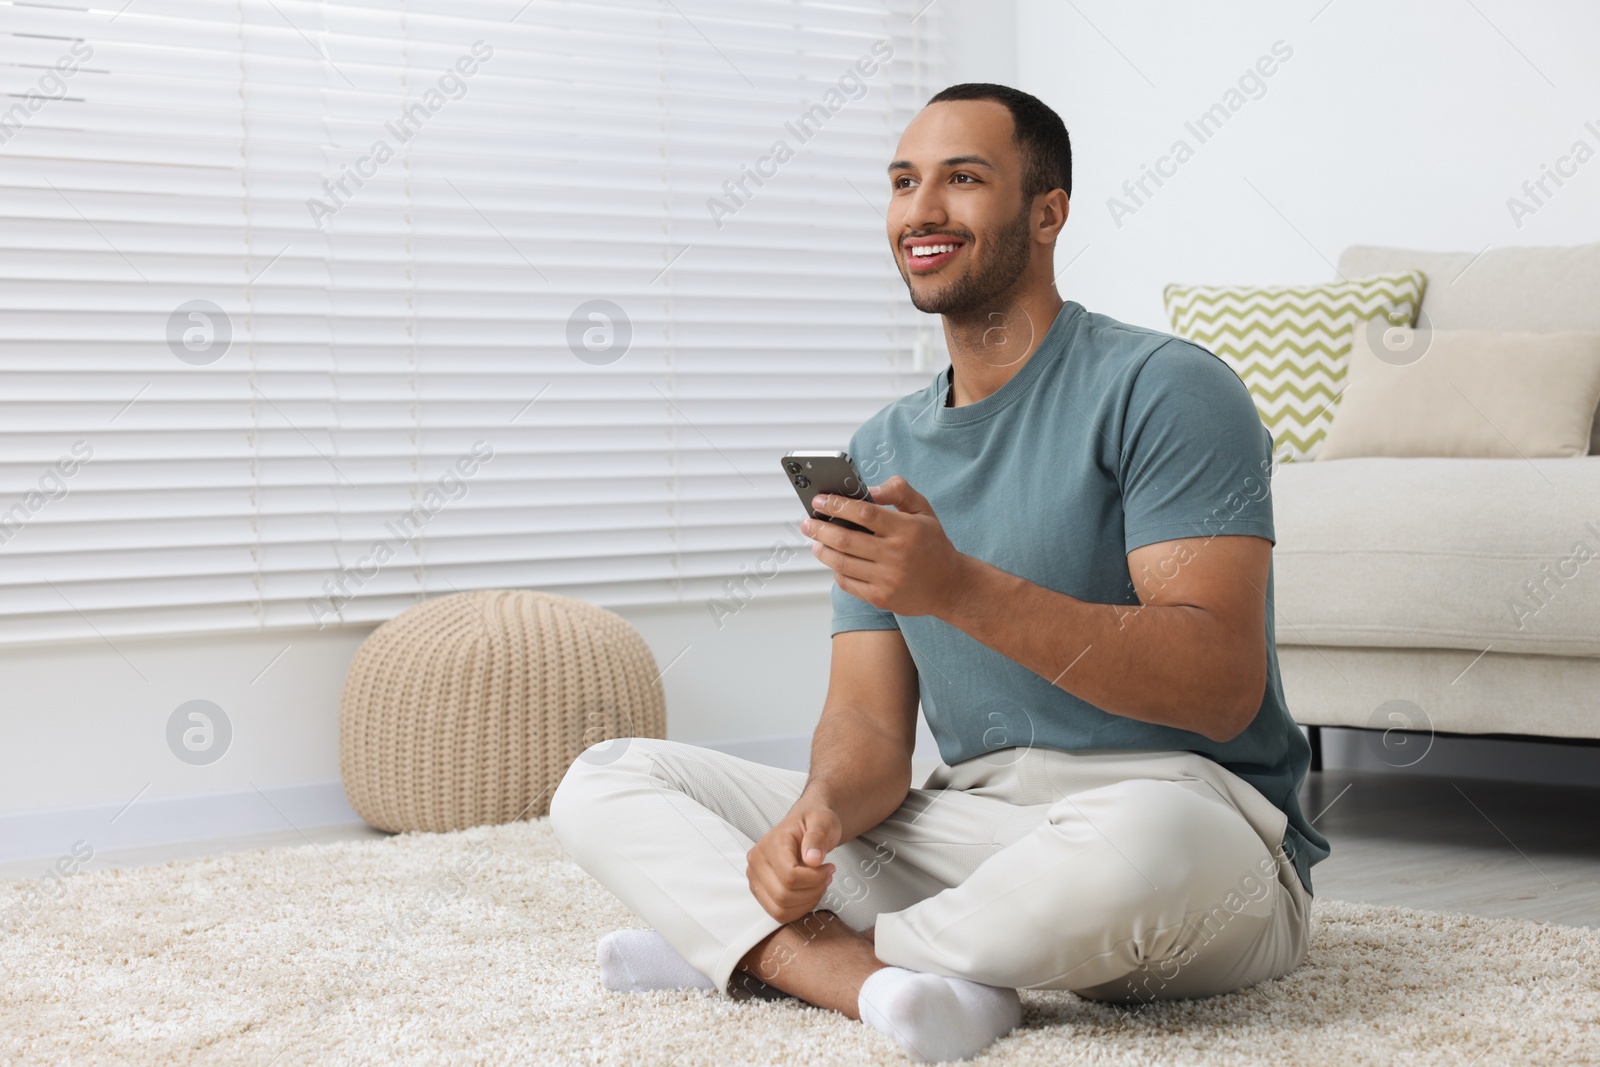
column 852, row 613
column 1195, row 459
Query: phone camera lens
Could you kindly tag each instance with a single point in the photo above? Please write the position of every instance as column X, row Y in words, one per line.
column 793, row 467
column 802, row 481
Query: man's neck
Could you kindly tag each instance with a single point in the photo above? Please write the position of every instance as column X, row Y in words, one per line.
column 987, row 349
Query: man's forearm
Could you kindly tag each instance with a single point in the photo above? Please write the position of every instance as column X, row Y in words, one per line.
column 1170, row 665
column 858, row 772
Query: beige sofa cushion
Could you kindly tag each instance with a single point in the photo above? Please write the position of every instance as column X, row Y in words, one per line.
column 1544, row 289
column 1458, row 692
column 1439, row 553
column 1467, row 393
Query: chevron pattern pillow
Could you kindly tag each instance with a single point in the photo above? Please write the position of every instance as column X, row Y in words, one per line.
column 1291, row 344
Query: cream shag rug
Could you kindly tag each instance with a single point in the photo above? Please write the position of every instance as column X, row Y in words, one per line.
column 478, row 947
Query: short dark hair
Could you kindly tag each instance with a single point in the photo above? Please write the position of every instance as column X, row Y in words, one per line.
column 1039, row 132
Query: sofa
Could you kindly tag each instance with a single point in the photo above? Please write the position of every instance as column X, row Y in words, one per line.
column 1398, row 581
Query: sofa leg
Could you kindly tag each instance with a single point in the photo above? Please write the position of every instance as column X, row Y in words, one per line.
column 1314, row 735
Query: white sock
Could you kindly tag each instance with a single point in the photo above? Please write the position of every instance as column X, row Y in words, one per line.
column 935, row 1018
column 636, row 961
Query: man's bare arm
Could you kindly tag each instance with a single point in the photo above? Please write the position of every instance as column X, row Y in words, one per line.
column 860, row 770
column 861, row 750
column 1192, row 654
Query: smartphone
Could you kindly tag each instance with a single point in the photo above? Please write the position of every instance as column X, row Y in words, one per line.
column 826, row 472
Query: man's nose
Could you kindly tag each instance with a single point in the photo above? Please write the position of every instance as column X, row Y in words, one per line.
column 924, row 209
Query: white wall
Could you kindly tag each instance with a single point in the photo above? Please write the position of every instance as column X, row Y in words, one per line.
column 980, row 40
column 1406, row 124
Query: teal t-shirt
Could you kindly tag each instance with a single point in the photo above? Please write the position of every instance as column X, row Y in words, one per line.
column 1110, row 437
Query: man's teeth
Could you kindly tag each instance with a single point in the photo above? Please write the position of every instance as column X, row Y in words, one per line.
column 932, row 250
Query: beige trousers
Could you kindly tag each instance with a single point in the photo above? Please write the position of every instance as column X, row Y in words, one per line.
column 1123, row 876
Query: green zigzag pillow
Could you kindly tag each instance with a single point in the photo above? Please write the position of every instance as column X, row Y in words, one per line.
column 1291, row 345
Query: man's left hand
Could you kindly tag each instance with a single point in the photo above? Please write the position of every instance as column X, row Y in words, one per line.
column 905, row 565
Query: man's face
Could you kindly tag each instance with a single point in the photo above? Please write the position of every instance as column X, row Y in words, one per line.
column 958, row 223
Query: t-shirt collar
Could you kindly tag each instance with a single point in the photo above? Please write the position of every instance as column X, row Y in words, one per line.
column 1050, row 348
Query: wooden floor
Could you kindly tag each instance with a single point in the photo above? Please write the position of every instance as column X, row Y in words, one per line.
column 1486, row 848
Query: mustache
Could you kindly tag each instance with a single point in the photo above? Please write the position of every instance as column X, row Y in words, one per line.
column 965, row 235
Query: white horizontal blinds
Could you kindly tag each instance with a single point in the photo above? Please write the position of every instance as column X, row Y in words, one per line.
column 314, row 472
column 105, row 212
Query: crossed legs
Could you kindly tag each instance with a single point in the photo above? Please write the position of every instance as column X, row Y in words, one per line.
column 816, row 958
column 1137, row 889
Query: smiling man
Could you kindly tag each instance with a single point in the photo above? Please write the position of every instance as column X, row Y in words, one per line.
column 1069, row 568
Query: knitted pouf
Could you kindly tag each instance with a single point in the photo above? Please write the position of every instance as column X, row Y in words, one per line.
column 468, row 709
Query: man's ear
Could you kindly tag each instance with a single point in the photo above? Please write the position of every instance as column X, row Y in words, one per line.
column 1050, row 215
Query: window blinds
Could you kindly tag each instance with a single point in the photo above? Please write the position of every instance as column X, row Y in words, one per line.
column 314, row 309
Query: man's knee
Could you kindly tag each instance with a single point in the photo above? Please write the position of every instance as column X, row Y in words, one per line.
column 1140, row 842
column 1159, row 835
column 568, row 803
column 599, row 771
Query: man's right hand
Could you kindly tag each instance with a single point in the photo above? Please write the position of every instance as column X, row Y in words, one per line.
column 786, row 867
column 860, row 771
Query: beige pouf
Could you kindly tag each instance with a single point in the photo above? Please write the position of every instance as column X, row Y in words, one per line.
column 468, row 709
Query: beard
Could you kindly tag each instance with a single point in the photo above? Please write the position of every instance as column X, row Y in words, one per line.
column 988, row 282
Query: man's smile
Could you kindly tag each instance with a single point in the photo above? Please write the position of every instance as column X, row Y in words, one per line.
column 925, row 254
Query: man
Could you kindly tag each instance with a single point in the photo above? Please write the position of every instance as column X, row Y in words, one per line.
column 1070, row 568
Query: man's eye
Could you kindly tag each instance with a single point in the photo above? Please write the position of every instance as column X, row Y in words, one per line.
column 964, row 178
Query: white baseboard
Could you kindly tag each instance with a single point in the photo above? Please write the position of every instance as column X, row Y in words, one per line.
column 51, row 833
